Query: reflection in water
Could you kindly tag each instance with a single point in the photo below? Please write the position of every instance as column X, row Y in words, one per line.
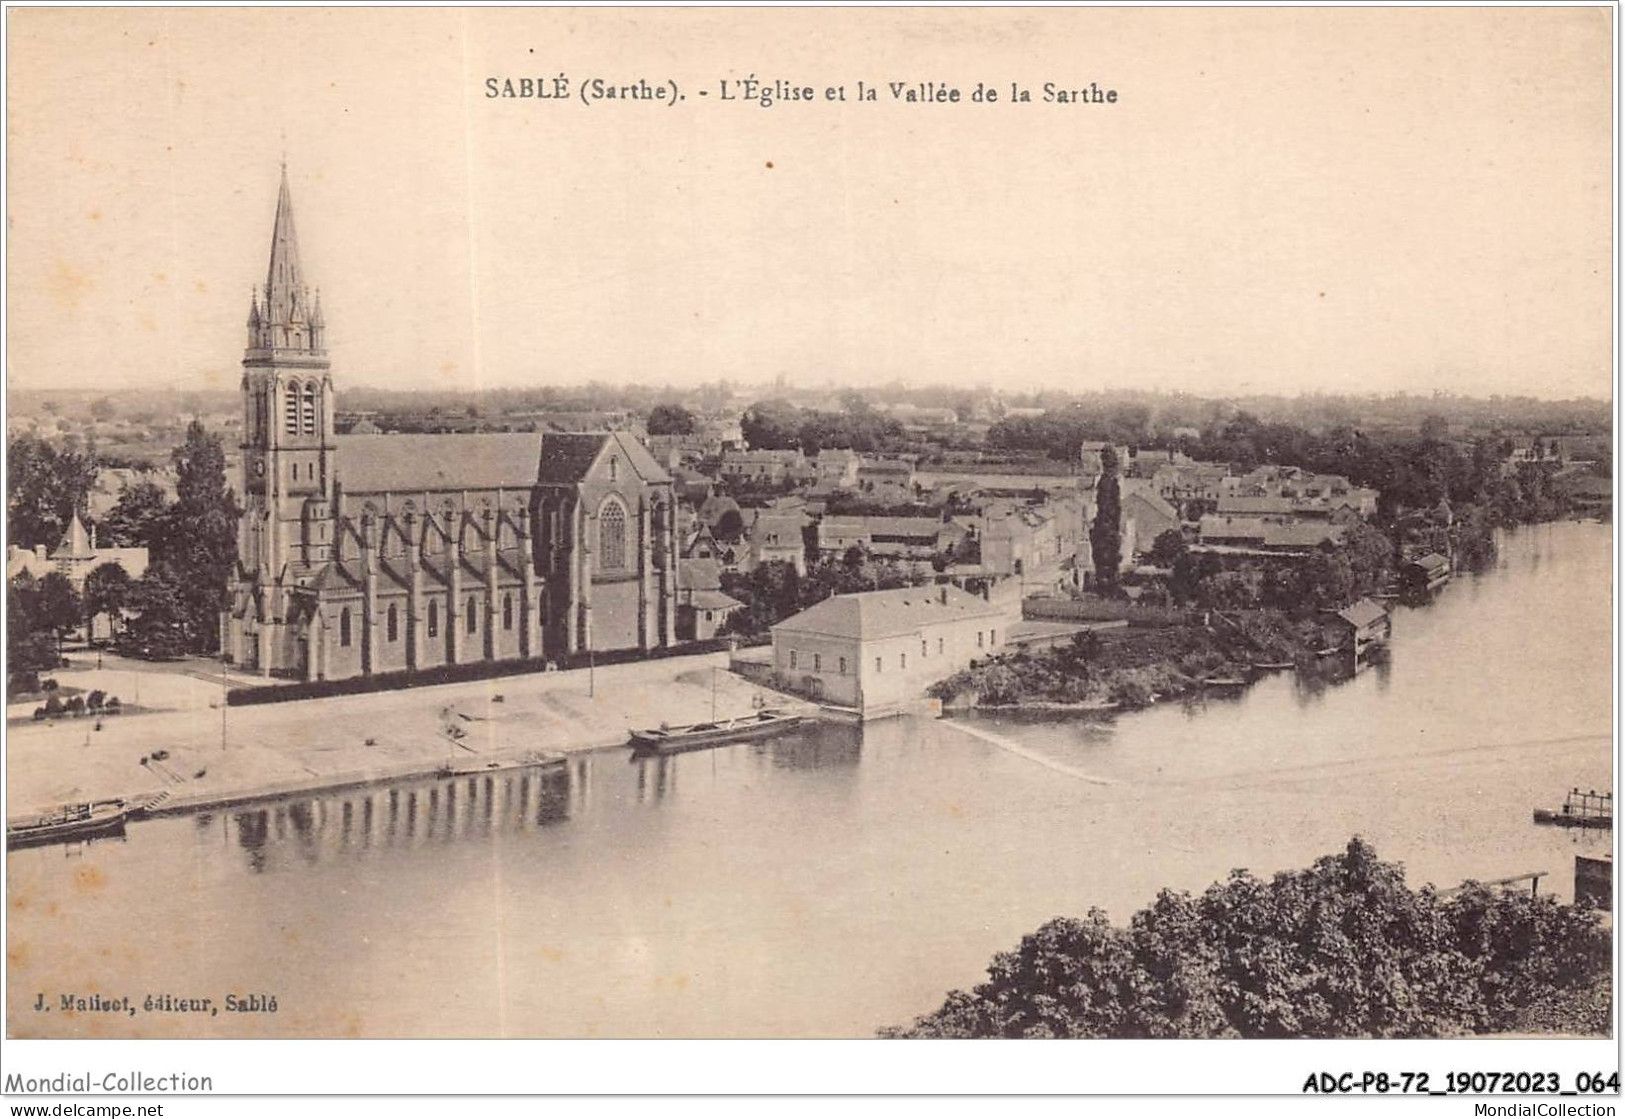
column 827, row 747
column 442, row 811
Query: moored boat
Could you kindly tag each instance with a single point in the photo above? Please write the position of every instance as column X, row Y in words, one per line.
column 694, row 736
column 71, row 821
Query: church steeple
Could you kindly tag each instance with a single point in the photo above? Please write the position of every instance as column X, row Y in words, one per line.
column 285, row 316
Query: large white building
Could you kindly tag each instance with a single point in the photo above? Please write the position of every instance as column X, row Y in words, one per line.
column 879, row 650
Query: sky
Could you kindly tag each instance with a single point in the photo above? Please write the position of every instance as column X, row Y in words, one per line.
column 1280, row 201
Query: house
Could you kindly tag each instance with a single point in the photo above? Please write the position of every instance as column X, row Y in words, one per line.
column 1264, row 532
column 1146, row 461
column 776, row 534
column 1428, row 573
column 1360, row 630
column 702, row 607
column 886, row 479
column 75, row 557
column 837, row 468
column 913, row 539
column 1193, row 489
column 1151, row 513
column 878, row 651
column 761, row 467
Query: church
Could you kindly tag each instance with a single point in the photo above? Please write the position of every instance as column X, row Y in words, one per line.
column 362, row 554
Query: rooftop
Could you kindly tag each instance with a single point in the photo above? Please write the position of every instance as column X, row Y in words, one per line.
column 870, row 615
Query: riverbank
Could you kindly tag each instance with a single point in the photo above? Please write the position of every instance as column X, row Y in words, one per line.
column 233, row 755
column 1135, row 667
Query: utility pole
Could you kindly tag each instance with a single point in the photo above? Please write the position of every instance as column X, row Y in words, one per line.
column 223, row 690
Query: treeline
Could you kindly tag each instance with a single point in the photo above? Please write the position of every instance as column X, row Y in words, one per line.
column 1412, row 470
column 1343, row 949
column 778, row 425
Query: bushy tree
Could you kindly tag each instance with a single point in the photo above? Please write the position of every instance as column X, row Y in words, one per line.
column 198, row 544
column 136, row 521
column 30, row 646
column 1168, row 547
column 57, row 607
column 159, row 623
column 107, row 590
column 771, row 425
column 1343, row 948
column 670, row 419
column 44, row 486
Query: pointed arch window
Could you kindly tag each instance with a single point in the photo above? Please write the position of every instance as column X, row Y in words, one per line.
column 307, row 409
column 344, row 627
column 612, row 535
column 434, row 618
column 394, row 622
column 473, row 618
column 507, row 611
column 290, row 408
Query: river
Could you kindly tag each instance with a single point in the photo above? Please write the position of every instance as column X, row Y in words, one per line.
column 842, row 880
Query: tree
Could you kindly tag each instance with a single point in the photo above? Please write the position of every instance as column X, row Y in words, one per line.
column 1343, row 948
column 1168, row 547
column 102, row 409
column 1106, row 533
column 670, row 419
column 44, row 487
column 198, row 541
column 136, row 521
column 160, row 622
column 730, row 526
column 106, row 591
column 771, row 425
column 56, row 608
column 30, row 649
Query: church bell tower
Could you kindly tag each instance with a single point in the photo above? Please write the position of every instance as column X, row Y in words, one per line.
column 287, row 450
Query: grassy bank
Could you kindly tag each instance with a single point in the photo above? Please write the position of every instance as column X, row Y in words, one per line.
column 1134, row 667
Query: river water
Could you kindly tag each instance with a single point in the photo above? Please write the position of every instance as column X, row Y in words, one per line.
column 842, row 880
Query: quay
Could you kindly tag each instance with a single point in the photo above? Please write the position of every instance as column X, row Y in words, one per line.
column 218, row 756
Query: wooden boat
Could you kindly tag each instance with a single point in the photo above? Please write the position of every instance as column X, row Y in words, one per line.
column 71, row 821
column 1231, row 683
column 1273, row 666
column 695, row 736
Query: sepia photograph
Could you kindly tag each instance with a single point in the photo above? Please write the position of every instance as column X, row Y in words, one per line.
column 805, row 524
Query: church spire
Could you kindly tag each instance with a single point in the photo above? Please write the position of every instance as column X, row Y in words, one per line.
column 286, row 310
column 284, row 281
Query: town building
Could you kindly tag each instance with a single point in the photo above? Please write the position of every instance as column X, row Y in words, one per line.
column 913, row 540
column 886, row 479
column 877, row 651
column 837, row 468
column 363, row 554
column 762, row 467
column 776, row 535
column 702, row 606
column 74, row 558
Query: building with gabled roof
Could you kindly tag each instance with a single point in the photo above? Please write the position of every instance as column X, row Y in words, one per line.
column 362, row 554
